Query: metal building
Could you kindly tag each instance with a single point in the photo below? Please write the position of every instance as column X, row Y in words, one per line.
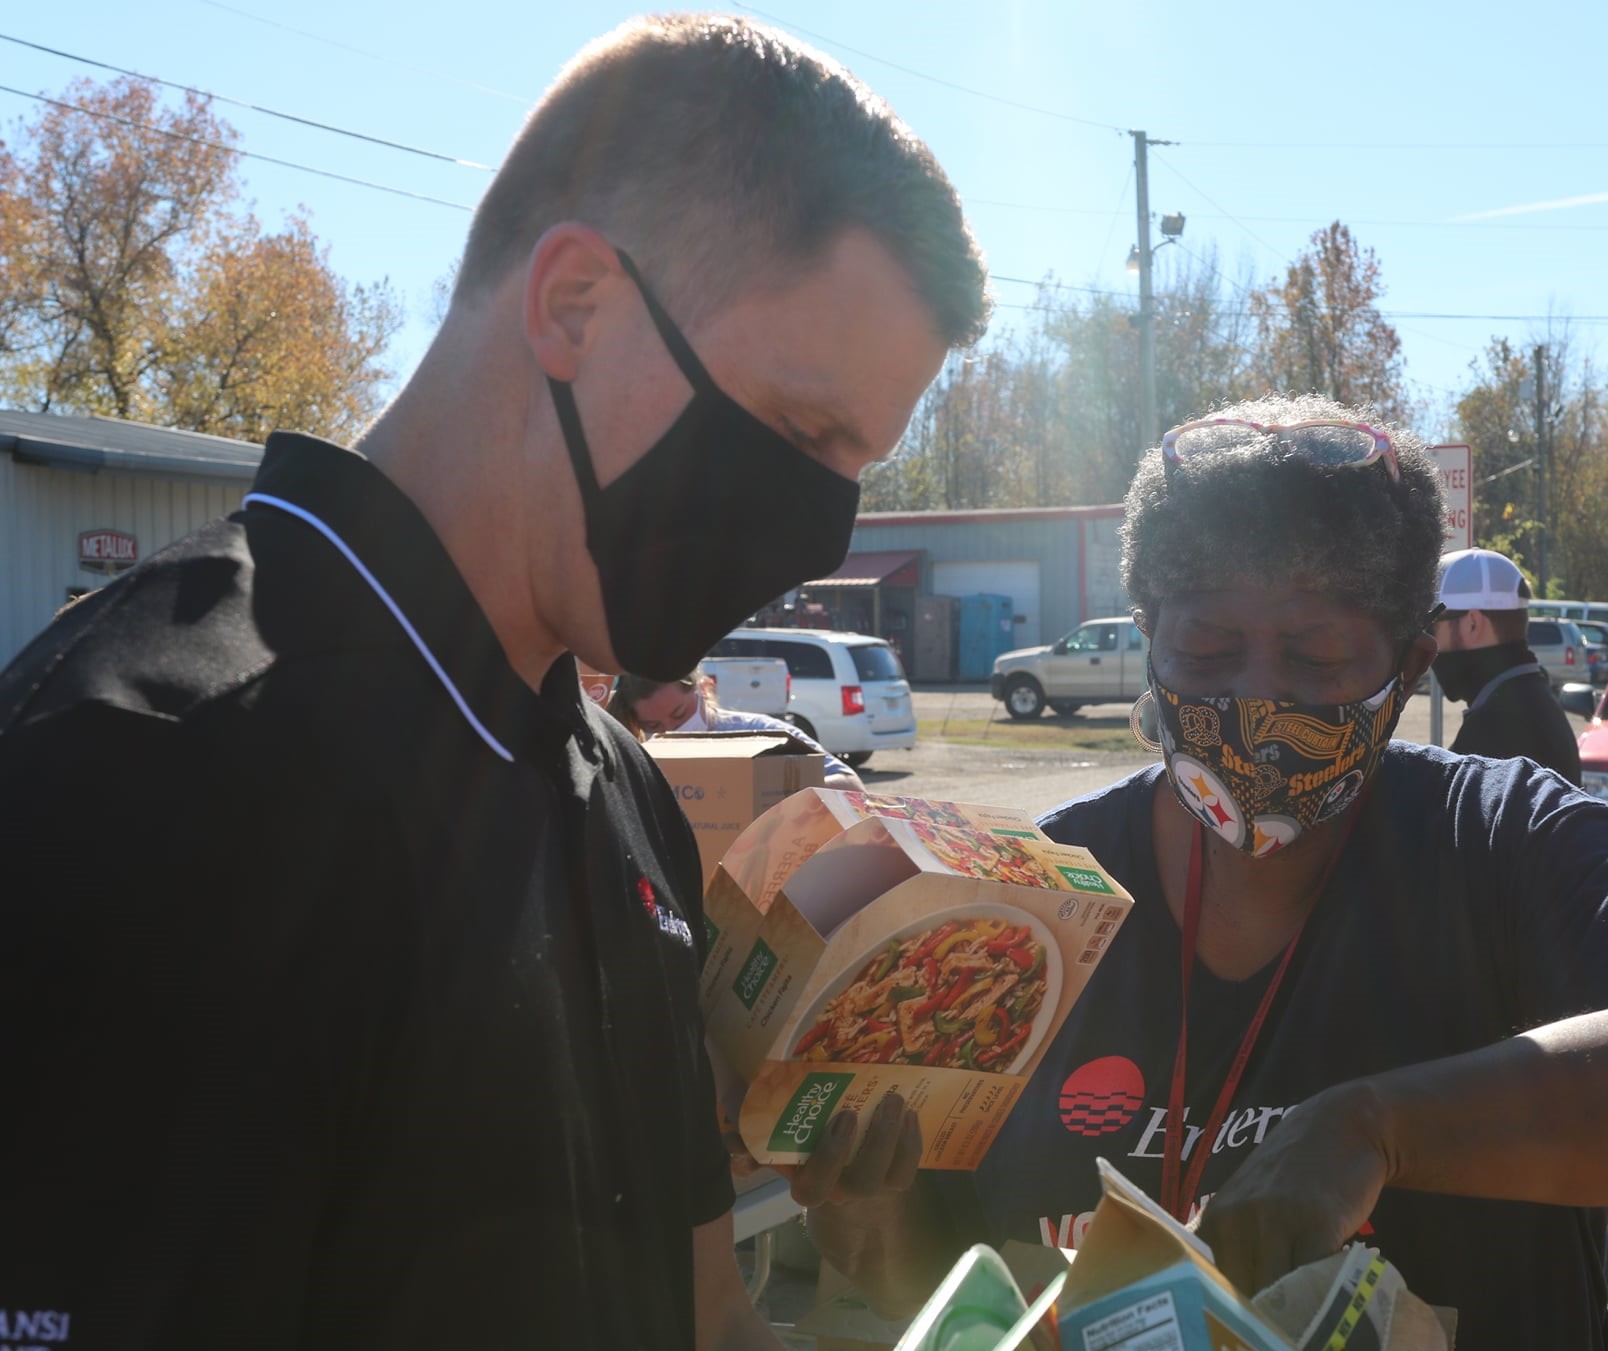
column 84, row 498
column 1058, row 565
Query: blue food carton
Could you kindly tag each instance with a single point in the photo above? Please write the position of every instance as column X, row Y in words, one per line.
column 1142, row 1282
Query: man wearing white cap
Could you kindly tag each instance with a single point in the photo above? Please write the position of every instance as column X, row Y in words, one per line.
column 1485, row 661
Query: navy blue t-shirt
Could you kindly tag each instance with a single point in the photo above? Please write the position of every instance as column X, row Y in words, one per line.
column 1470, row 904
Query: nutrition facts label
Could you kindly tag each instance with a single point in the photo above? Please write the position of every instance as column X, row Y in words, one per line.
column 1150, row 1325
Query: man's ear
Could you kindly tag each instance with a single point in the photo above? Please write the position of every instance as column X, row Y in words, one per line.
column 1419, row 656
column 1482, row 632
column 572, row 273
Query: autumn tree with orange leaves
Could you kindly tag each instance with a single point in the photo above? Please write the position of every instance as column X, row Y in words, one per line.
column 1320, row 330
column 132, row 285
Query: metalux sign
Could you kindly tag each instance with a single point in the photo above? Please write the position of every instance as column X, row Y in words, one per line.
column 107, row 550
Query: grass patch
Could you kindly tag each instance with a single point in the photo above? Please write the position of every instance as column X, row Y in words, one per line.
column 1105, row 735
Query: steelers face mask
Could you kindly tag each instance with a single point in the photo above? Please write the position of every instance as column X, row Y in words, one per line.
column 1261, row 771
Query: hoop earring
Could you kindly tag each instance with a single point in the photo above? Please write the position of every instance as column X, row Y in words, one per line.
column 1136, row 723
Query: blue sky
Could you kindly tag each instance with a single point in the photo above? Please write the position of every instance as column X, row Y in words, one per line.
column 1411, row 121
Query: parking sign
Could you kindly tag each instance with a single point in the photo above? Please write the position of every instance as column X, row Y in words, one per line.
column 1456, row 465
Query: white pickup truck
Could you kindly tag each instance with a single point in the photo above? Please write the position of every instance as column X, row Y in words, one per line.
column 1099, row 662
column 750, row 684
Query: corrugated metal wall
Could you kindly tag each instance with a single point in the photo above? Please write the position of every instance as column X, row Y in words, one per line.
column 43, row 510
column 1053, row 544
column 1103, row 554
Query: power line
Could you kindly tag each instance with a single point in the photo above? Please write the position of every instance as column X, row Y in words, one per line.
column 1430, row 337
column 523, row 99
column 232, row 150
column 1055, row 285
column 1298, row 220
column 1416, row 146
column 253, row 107
column 931, row 79
column 1384, row 314
column 1122, row 197
column 1218, row 206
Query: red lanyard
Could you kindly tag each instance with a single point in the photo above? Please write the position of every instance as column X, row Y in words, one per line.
column 1175, row 1196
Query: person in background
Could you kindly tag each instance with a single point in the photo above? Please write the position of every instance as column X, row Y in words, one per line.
column 1484, row 661
column 368, row 1017
column 1361, row 986
column 649, row 707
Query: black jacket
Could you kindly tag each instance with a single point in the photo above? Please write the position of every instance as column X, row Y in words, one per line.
column 1515, row 713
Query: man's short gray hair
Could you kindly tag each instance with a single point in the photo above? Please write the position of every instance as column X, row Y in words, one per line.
column 1252, row 510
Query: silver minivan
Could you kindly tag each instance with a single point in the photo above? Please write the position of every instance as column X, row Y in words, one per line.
column 1560, row 647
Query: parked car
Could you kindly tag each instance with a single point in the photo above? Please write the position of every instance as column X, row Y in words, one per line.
column 1560, row 647
column 1594, row 752
column 1099, row 662
column 1596, row 635
column 750, row 684
column 849, row 690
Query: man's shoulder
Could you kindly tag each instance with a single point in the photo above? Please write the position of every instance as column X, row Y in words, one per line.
column 187, row 630
column 156, row 641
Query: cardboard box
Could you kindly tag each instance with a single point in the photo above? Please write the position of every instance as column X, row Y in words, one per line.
column 723, row 780
column 1139, row 1273
column 776, row 845
column 936, row 953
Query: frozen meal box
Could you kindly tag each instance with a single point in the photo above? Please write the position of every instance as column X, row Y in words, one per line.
column 776, row 845
column 723, row 780
column 1141, row 1275
column 935, row 959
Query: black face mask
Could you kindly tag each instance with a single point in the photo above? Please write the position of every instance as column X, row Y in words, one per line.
column 1464, row 671
column 1458, row 670
column 720, row 516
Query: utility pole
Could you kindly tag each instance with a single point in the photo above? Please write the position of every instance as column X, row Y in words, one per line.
column 1541, row 438
column 1148, row 431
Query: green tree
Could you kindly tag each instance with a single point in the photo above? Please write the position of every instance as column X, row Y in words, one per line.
column 131, row 285
column 1499, row 418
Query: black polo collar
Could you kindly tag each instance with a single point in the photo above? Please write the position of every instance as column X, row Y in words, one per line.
column 373, row 527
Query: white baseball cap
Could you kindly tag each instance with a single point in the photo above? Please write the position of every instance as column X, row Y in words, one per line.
column 1482, row 579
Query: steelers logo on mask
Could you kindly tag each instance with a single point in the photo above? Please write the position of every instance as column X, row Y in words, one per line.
column 1341, row 796
column 1270, row 833
column 1203, row 793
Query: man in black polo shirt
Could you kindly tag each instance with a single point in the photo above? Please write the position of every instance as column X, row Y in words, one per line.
column 348, row 956
column 1485, row 661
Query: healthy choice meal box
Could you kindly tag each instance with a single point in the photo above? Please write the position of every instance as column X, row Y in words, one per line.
column 723, row 780
column 860, row 944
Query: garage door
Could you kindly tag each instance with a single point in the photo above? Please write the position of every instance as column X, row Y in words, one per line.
column 1019, row 581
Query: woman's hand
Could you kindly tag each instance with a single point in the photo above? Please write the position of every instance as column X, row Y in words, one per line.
column 1305, row 1191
